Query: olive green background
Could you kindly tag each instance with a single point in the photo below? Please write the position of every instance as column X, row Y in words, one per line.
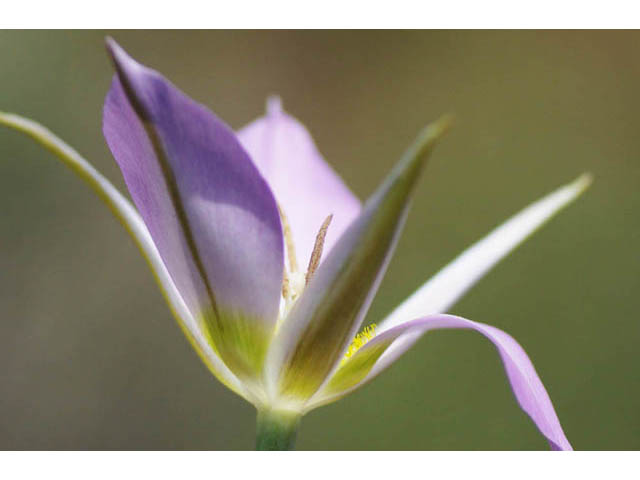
column 90, row 357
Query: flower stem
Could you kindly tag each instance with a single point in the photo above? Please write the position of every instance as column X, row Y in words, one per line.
column 276, row 430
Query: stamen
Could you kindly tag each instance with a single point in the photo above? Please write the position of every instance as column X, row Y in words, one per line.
column 360, row 340
column 316, row 254
column 293, row 280
column 288, row 241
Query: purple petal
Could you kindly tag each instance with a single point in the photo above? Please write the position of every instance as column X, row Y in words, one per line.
column 305, row 186
column 131, row 220
column 386, row 347
column 210, row 213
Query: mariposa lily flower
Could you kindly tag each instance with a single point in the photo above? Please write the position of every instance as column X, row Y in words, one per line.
column 267, row 260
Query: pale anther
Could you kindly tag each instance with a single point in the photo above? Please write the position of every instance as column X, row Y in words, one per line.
column 288, row 241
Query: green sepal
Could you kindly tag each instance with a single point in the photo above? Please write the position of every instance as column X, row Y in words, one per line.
column 324, row 320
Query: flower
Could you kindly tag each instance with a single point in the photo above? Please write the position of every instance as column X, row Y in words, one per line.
column 228, row 221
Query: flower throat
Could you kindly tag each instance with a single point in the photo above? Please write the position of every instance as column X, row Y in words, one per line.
column 295, row 281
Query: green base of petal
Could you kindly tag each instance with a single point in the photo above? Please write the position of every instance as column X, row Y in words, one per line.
column 276, row 430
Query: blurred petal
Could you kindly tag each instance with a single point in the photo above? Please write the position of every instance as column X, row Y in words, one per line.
column 525, row 383
column 322, row 323
column 210, row 213
column 305, row 186
column 449, row 284
column 130, row 219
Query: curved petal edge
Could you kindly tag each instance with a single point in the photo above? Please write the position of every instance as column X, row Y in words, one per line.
column 525, row 383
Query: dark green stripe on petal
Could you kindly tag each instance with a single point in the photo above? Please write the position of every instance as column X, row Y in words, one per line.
column 133, row 223
column 324, row 320
column 208, row 209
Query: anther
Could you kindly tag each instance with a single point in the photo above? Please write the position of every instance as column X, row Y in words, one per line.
column 316, row 254
column 360, row 341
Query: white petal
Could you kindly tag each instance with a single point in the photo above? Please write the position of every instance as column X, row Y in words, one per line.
column 440, row 292
column 443, row 289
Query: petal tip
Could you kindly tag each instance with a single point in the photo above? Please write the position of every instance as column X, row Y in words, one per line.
column 114, row 50
column 433, row 132
column 274, row 105
column 583, row 182
column 445, row 122
column 109, row 41
column 124, row 64
column 133, row 76
column 442, row 125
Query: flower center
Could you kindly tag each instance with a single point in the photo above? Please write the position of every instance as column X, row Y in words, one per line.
column 294, row 280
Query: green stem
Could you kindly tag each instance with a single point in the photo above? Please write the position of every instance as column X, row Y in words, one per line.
column 276, row 430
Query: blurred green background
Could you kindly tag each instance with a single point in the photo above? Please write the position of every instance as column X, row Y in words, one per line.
column 90, row 357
